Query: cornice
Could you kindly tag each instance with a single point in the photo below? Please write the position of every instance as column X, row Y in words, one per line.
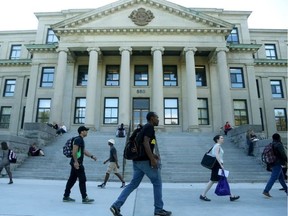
column 171, row 8
column 244, row 47
column 137, row 30
column 41, row 48
column 270, row 62
column 16, row 62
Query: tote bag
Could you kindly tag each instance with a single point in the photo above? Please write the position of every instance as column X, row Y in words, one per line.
column 208, row 160
column 222, row 188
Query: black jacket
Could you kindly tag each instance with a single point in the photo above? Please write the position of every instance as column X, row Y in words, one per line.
column 280, row 153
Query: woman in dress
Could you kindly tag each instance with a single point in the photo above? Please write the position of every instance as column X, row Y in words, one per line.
column 5, row 161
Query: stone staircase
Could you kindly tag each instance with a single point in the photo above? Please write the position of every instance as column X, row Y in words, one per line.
column 181, row 154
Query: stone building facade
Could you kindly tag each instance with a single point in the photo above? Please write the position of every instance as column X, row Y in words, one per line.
column 197, row 68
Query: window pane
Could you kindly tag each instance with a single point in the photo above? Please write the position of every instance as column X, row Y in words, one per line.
column 112, row 75
column 43, row 111
column 170, row 75
column 171, row 111
column 240, row 112
column 200, row 76
column 47, row 77
column 82, row 75
column 236, row 76
column 203, row 117
column 80, row 111
column 9, row 88
column 5, row 114
column 111, row 111
column 141, row 75
column 280, row 119
column 15, row 52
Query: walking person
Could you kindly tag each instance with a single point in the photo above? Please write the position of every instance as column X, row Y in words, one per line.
column 113, row 165
column 149, row 165
column 218, row 152
column 77, row 168
column 5, row 163
column 281, row 160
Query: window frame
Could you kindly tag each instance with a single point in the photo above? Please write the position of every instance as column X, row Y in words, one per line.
column 282, row 126
column 80, row 111
column 112, row 118
column 201, row 110
column 45, row 109
column 201, row 78
column 82, row 75
column 15, row 52
column 233, row 37
column 238, row 77
column 168, row 72
column 9, row 88
column 241, row 119
column 47, row 83
column 173, row 110
column 271, row 52
column 114, row 80
column 277, row 90
column 137, row 82
column 51, row 34
column 5, row 118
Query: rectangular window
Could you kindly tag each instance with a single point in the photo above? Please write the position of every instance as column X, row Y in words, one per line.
column 270, row 51
column 82, row 77
column 27, row 87
column 170, row 75
column 203, row 114
column 141, row 75
column 47, row 77
column 200, row 76
column 112, row 75
column 171, row 111
column 23, row 117
column 280, row 119
column 9, row 88
column 240, row 112
column 237, row 79
column 51, row 37
column 111, row 111
column 15, row 52
column 276, row 88
column 5, row 114
column 80, row 111
column 258, row 89
column 43, row 110
column 233, row 37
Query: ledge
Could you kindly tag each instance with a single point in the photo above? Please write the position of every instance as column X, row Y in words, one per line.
column 271, row 62
column 19, row 62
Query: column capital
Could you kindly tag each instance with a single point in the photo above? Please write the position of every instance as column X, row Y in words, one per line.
column 62, row 49
column 97, row 49
column 219, row 49
column 129, row 49
column 190, row 49
column 161, row 49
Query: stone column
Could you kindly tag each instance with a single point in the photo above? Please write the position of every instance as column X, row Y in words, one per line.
column 157, row 80
column 191, row 88
column 91, row 87
column 224, row 86
column 31, row 96
column 254, row 101
column 124, row 100
column 59, row 84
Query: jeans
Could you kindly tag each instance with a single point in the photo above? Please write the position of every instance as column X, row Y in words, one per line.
column 277, row 173
column 74, row 174
column 141, row 168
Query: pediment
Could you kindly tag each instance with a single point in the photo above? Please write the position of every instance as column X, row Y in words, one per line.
column 142, row 15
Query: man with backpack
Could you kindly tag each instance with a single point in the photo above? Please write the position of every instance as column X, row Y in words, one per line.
column 148, row 164
column 276, row 166
column 77, row 168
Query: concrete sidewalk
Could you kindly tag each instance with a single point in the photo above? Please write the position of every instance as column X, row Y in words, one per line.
column 44, row 198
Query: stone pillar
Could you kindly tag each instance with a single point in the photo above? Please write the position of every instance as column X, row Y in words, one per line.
column 254, row 101
column 157, row 80
column 91, row 87
column 224, row 86
column 124, row 100
column 191, row 88
column 31, row 96
column 59, row 84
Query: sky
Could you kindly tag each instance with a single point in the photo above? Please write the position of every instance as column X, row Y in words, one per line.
column 19, row 14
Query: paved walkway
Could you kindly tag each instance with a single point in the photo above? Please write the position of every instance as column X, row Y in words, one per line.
column 44, row 198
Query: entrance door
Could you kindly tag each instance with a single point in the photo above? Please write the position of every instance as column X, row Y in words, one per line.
column 141, row 107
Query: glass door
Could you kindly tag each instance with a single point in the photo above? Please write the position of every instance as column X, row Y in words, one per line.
column 141, row 107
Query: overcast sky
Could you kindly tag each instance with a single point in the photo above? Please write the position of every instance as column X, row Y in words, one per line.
column 19, row 14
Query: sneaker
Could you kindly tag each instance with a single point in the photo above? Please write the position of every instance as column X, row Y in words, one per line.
column 123, row 185
column 267, row 194
column 10, row 182
column 68, row 199
column 234, row 198
column 115, row 211
column 204, row 198
column 163, row 213
column 87, row 201
column 102, row 185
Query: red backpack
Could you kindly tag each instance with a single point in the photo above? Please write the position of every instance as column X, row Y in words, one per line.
column 268, row 155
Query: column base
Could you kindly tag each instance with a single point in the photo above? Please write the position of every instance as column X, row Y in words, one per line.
column 193, row 128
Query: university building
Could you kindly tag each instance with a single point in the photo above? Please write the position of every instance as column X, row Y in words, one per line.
column 196, row 67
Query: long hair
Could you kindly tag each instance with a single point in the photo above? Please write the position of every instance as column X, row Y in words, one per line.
column 4, row 146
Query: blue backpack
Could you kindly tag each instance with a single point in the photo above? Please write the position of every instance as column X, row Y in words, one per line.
column 67, row 148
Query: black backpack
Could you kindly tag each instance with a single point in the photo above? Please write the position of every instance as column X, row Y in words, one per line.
column 67, row 148
column 134, row 148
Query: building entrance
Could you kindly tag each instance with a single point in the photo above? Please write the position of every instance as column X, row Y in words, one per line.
column 141, row 107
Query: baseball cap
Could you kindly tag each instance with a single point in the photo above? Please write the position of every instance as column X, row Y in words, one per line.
column 82, row 128
column 112, row 141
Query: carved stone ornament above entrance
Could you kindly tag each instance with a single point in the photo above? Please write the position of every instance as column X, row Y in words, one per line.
column 141, row 17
